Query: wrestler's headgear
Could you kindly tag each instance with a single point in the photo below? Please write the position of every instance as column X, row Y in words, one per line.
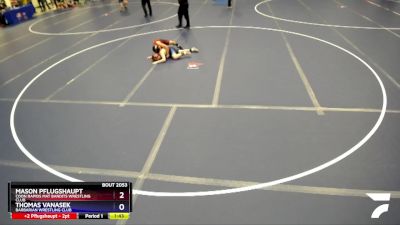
column 156, row 49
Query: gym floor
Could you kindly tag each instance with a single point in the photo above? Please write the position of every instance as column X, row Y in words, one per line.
column 301, row 96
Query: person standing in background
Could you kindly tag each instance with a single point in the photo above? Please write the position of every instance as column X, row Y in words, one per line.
column 3, row 8
column 183, row 10
column 229, row 3
column 43, row 4
column 144, row 2
column 123, row 5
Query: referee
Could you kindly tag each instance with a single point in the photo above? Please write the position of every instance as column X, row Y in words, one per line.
column 183, row 11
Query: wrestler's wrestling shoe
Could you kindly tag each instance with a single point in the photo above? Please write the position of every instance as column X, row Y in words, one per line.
column 194, row 49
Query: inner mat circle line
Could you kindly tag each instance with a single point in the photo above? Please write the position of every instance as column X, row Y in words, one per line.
column 216, row 192
column 98, row 31
column 317, row 24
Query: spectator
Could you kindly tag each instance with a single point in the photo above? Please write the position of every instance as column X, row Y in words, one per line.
column 3, row 8
column 123, row 5
column 43, row 4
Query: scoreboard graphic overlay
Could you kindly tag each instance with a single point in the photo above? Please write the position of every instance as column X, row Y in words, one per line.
column 69, row 201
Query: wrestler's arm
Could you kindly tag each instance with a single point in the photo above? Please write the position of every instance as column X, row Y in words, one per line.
column 159, row 43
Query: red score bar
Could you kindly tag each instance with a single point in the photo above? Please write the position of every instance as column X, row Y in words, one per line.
column 91, row 195
column 44, row 216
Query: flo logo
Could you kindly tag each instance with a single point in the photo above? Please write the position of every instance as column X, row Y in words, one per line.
column 379, row 197
column 194, row 65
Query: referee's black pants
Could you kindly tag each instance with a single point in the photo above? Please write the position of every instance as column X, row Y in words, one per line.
column 144, row 3
column 183, row 11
